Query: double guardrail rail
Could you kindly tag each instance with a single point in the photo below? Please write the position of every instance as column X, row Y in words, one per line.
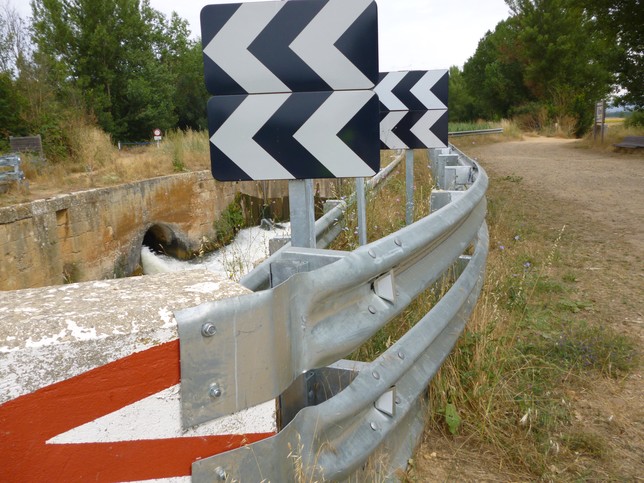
column 338, row 419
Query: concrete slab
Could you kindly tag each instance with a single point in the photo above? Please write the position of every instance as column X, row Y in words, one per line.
column 89, row 382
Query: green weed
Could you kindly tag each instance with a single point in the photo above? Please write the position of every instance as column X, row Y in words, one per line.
column 229, row 222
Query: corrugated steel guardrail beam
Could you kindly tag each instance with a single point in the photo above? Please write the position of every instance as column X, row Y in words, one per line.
column 310, row 311
column 335, row 439
column 264, row 341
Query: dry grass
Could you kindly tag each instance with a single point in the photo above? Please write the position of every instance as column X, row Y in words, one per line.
column 505, row 390
column 511, row 132
column 530, row 341
column 95, row 162
column 615, row 132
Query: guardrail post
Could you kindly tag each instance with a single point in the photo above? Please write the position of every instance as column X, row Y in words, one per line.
column 409, row 182
column 441, row 198
column 314, row 387
column 306, row 389
column 456, row 176
column 443, row 161
column 433, row 158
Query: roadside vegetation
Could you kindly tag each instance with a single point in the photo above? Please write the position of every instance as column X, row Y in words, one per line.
column 89, row 74
column 533, row 343
column 547, row 65
column 99, row 163
column 122, row 68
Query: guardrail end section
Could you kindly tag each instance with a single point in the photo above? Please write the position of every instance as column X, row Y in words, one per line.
column 235, row 354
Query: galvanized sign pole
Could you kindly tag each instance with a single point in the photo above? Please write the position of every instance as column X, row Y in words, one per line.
column 302, row 210
column 362, row 211
column 409, row 182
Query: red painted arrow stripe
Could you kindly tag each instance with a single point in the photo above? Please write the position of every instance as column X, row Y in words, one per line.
column 27, row 422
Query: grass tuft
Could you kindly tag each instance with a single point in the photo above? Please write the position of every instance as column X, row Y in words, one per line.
column 93, row 161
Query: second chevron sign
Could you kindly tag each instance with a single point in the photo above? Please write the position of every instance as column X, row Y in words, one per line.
column 413, row 109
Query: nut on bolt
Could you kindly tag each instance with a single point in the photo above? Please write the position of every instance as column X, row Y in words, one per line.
column 208, row 329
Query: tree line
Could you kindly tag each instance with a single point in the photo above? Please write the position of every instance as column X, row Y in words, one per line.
column 551, row 61
column 117, row 63
column 127, row 68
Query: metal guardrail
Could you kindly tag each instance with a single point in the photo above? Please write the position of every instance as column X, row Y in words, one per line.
column 338, row 419
column 478, row 131
column 327, row 228
column 10, row 168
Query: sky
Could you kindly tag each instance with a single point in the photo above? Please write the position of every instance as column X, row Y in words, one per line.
column 413, row 34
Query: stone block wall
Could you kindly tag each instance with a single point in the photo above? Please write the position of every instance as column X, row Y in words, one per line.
column 97, row 234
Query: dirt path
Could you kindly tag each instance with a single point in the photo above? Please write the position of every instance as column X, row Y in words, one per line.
column 599, row 197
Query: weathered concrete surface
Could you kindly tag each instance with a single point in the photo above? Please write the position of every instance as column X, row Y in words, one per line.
column 89, row 376
column 97, row 234
column 54, row 333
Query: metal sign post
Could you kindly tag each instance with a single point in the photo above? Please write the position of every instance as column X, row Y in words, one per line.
column 293, row 99
column 362, row 211
column 302, row 210
column 409, row 182
column 600, row 119
column 157, row 136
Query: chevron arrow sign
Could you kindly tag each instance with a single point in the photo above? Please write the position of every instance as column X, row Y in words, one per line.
column 415, row 90
column 291, row 46
column 294, row 135
column 413, row 129
column 413, row 109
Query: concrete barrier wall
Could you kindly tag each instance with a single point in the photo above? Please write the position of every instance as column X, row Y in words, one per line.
column 97, row 234
column 89, row 378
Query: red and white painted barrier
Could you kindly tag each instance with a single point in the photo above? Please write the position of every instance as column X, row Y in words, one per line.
column 89, row 378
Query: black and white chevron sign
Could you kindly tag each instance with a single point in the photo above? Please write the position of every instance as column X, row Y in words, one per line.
column 294, row 135
column 413, row 129
column 415, row 90
column 290, row 46
column 413, row 109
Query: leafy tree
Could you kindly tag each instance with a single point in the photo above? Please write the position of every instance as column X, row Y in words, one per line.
column 184, row 59
column 566, row 60
column 460, row 101
column 11, row 105
column 14, row 48
column 494, row 75
column 14, row 40
column 112, row 51
column 191, row 95
column 548, row 61
column 621, row 21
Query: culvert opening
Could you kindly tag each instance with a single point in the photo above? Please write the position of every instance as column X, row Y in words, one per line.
column 162, row 239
